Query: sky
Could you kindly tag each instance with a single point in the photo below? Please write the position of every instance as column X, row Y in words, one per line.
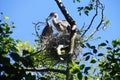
column 24, row 12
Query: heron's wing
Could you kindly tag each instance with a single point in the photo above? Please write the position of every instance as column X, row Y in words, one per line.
column 64, row 23
column 47, row 31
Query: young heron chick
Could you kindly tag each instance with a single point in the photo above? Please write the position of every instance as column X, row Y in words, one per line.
column 61, row 25
column 47, row 31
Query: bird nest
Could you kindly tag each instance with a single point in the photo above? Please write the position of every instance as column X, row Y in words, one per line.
column 52, row 43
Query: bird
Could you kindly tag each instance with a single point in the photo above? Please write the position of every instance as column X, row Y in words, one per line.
column 46, row 34
column 47, row 31
column 61, row 49
column 62, row 26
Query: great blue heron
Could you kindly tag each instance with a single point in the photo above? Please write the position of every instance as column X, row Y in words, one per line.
column 61, row 25
column 47, row 31
column 46, row 34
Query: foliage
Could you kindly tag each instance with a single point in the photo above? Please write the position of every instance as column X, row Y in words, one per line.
column 12, row 64
column 109, row 66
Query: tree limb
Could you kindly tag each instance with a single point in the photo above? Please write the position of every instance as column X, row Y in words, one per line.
column 71, row 22
column 73, row 35
column 65, row 13
column 46, row 70
column 97, row 28
column 95, row 15
column 33, row 54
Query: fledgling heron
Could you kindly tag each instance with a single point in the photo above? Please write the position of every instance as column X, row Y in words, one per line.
column 46, row 34
column 61, row 25
column 47, row 31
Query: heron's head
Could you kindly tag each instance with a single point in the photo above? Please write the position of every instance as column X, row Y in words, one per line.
column 52, row 15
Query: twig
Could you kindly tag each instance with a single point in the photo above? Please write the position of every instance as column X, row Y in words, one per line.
column 82, row 27
column 36, row 25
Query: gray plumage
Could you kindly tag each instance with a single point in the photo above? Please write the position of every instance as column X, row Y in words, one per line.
column 47, row 31
column 61, row 25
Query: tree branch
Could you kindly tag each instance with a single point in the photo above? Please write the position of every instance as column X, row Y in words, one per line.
column 65, row 13
column 97, row 28
column 33, row 53
column 73, row 35
column 46, row 70
column 96, row 13
column 36, row 25
column 71, row 22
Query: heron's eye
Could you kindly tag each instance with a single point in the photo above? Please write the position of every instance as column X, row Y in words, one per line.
column 55, row 16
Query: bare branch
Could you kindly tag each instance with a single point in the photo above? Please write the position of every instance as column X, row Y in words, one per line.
column 97, row 28
column 36, row 31
column 96, row 13
column 82, row 27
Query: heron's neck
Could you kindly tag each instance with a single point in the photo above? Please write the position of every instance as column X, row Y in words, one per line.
column 48, row 23
column 55, row 20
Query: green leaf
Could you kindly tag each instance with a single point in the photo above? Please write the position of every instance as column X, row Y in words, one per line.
column 107, row 22
column 80, row 8
column 94, row 50
column 82, row 66
column 88, row 45
column 88, row 8
column 18, row 41
column 78, row 1
column 82, row 45
column 102, row 44
column 86, row 70
column 87, row 58
column 87, row 54
column 100, row 54
column 75, row 69
column 25, row 52
column 77, row 62
column 86, row 12
column 92, row 47
column 13, row 27
column 114, row 43
column 93, row 61
column 61, row 66
column 79, row 75
column 107, row 41
column 6, row 17
column 109, row 48
column 118, row 41
column 15, row 56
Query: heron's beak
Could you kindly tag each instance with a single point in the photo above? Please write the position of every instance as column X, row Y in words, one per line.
column 48, row 18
